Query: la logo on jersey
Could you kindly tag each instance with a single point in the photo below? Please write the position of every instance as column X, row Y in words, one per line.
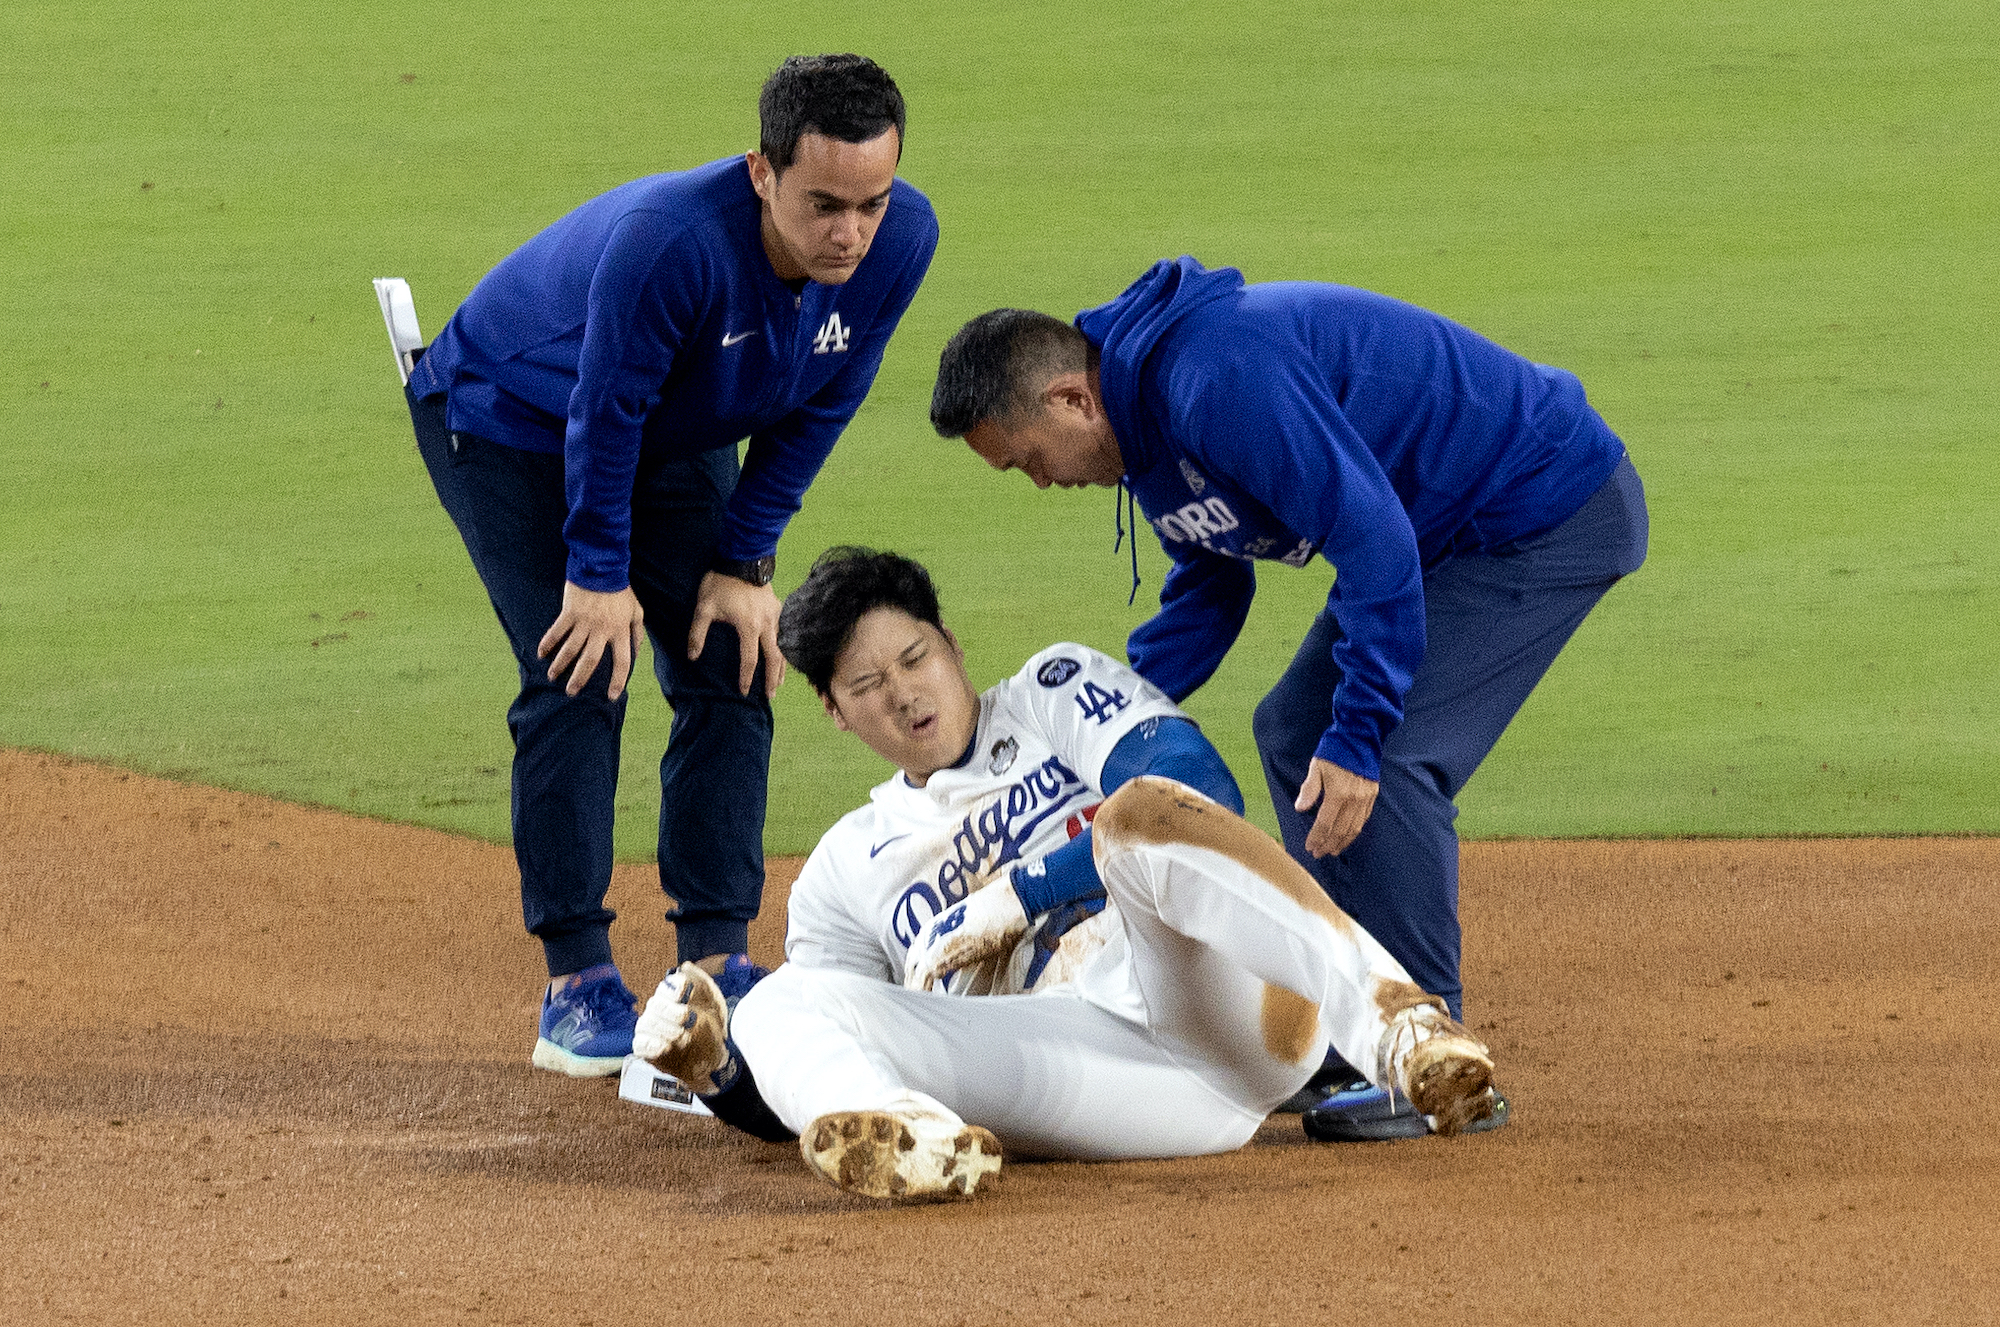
column 831, row 338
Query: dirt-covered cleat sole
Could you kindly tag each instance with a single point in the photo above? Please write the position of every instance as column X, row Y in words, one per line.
column 904, row 1156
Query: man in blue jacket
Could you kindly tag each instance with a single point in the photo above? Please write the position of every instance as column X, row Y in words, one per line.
column 580, row 416
column 1474, row 506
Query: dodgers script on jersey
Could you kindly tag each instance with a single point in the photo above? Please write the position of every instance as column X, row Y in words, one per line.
column 884, row 871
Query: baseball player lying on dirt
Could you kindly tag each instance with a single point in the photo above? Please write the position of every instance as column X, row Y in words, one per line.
column 1153, row 980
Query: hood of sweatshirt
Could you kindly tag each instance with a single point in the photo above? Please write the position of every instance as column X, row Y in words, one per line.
column 1125, row 331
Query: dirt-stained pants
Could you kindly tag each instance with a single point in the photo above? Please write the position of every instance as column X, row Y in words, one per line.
column 1229, row 977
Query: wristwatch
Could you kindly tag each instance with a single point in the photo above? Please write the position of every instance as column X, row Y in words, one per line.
column 757, row 571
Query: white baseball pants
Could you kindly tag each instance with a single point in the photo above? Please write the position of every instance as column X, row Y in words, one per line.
column 1229, row 977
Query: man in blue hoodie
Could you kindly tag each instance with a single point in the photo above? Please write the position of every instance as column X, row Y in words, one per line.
column 580, row 415
column 1474, row 506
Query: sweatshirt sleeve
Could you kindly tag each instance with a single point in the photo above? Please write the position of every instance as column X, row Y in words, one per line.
column 783, row 460
column 645, row 298
column 1268, row 421
column 1203, row 604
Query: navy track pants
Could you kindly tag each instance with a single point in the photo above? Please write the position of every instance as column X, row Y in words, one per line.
column 1493, row 625
column 509, row 508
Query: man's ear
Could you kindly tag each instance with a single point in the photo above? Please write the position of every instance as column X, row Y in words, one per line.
column 1071, row 391
column 762, row 178
column 833, row 712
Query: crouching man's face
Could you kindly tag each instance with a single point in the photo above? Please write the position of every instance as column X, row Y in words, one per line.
column 900, row 686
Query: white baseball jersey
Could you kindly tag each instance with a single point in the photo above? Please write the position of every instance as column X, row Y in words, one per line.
column 883, row 872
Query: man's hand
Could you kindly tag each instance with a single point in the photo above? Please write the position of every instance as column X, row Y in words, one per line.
column 976, row 928
column 589, row 622
column 684, row 1030
column 1344, row 798
column 753, row 611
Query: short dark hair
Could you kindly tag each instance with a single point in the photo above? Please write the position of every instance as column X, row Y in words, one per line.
column 997, row 365
column 848, row 97
column 845, row 584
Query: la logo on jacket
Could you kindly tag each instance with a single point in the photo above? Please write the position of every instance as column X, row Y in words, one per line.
column 831, row 337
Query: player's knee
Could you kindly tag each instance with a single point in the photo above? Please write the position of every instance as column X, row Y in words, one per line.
column 1154, row 810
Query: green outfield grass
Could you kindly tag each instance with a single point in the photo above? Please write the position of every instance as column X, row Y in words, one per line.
column 1763, row 234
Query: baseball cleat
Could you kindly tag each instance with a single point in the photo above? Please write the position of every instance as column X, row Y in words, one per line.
column 586, row 1028
column 1364, row 1113
column 906, row 1155
column 1439, row 1067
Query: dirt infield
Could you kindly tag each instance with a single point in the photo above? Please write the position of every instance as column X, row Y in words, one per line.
column 267, row 1064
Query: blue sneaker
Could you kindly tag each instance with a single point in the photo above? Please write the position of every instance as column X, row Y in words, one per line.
column 586, row 1027
column 1364, row 1113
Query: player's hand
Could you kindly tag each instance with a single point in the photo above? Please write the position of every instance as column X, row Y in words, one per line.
column 1344, row 799
column 684, row 1030
column 591, row 622
column 753, row 611
column 978, row 927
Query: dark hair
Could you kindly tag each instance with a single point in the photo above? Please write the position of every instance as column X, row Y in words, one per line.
column 848, row 97
column 845, row 584
column 997, row 365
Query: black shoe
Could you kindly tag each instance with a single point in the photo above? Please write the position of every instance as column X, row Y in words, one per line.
column 1364, row 1113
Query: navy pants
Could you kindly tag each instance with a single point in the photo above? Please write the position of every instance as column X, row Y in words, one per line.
column 1493, row 625
column 509, row 507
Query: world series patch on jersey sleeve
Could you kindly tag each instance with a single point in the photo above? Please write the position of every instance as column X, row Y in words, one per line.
column 1034, row 771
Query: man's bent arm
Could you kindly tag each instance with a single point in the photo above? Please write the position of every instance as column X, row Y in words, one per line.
column 1203, row 606
column 637, row 317
column 1272, row 426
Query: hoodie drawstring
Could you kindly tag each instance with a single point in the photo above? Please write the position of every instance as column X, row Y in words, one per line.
column 1122, row 501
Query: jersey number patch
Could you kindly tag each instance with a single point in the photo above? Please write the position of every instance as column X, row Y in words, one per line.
column 1099, row 704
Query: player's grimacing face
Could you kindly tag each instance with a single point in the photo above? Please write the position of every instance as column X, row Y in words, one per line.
column 821, row 213
column 900, row 686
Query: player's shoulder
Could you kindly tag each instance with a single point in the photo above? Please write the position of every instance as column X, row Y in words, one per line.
column 1057, row 665
column 1052, row 677
column 1069, row 674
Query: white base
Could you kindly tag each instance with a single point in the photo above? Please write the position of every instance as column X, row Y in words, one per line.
column 644, row 1085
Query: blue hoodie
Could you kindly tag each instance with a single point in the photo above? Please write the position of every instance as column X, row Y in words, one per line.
column 1281, row 420
column 650, row 319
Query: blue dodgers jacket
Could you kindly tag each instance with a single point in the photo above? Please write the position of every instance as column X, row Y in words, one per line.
column 1281, row 420
column 650, row 318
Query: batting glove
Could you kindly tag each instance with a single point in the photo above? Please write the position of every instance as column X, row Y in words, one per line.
column 978, row 927
column 684, row 1031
